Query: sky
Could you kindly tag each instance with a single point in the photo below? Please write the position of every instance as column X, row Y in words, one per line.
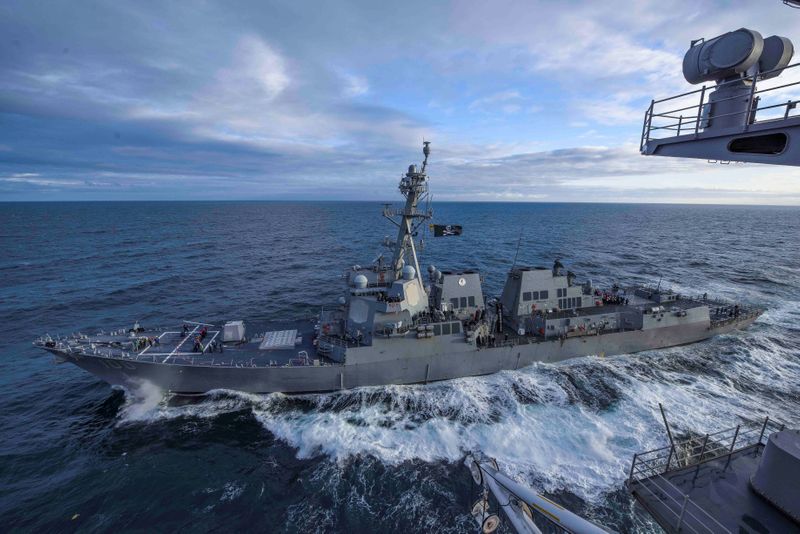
column 522, row 100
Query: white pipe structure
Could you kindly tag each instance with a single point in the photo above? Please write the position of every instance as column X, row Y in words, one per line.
column 516, row 514
column 512, row 497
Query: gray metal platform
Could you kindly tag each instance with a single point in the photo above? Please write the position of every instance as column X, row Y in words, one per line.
column 176, row 347
column 703, row 484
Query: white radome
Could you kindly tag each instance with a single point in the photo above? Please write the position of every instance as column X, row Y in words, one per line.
column 360, row 281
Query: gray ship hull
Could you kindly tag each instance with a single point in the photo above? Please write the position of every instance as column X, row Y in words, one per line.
column 410, row 361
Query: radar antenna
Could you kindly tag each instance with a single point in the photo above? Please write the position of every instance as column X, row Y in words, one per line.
column 739, row 118
column 414, row 187
column 426, row 150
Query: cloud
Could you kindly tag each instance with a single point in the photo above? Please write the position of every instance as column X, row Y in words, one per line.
column 504, row 101
column 32, row 178
column 256, row 61
column 129, row 101
column 610, row 174
column 354, row 85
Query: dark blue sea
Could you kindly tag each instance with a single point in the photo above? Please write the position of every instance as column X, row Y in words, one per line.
column 78, row 455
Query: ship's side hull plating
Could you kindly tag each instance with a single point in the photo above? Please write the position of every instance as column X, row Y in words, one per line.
column 413, row 361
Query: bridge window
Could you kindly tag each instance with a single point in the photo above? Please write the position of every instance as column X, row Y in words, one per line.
column 437, row 330
column 445, row 329
column 463, row 302
column 535, row 295
column 544, row 295
column 526, row 296
column 471, row 301
column 456, row 328
column 454, row 302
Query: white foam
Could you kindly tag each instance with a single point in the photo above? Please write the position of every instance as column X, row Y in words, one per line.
column 145, row 403
column 554, row 427
column 232, row 491
column 143, row 400
column 561, row 444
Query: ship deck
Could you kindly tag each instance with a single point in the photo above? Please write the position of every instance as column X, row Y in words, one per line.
column 297, row 342
column 720, row 311
column 173, row 346
column 704, row 485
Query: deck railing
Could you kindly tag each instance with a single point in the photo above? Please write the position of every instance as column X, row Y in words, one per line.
column 702, row 448
column 115, row 357
column 648, row 470
column 690, row 114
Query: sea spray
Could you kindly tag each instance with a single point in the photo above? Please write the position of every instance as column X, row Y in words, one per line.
column 567, row 427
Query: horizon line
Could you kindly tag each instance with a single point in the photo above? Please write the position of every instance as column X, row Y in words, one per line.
column 332, row 201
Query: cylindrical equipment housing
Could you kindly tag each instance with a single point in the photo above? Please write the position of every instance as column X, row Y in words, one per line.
column 727, row 106
column 722, row 57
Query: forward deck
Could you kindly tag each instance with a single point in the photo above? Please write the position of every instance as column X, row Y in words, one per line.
column 176, row 347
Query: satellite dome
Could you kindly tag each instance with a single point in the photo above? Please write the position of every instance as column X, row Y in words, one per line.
column 360, row 281
column 409, row 272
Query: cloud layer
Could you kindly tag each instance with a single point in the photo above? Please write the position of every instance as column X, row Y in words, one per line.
column 523, row 100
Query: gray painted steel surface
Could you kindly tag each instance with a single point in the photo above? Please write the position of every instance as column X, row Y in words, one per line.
column 705, row 484
column 777, row 478
column 740, row 117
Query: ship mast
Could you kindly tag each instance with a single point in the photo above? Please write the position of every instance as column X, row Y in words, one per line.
column 414, row 187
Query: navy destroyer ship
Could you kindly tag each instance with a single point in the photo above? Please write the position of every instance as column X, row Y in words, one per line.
column 394, row 325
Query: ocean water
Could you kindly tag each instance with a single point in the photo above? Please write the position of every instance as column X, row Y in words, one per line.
column 78, row 455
